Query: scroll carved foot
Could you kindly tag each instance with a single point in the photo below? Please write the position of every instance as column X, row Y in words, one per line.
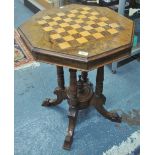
column 98, row 104
column 72, row 122
column 61, row 95
column 114, row 117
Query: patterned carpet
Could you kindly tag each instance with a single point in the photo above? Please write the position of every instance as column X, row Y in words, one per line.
column 22, row 55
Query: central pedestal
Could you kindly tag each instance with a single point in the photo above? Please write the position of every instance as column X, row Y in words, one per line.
column 80, row 94
column 84, row 93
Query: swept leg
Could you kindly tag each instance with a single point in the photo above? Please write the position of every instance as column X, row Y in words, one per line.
column 114, row 117
column 61, row 95
column 72, row 122
column 72, row 99
column 99, row 99
column 59, row 91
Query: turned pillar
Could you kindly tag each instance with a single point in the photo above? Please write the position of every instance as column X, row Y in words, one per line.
column 60, row 77
column 99, row 81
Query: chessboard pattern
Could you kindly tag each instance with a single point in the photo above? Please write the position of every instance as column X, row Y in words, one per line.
column 76, row 27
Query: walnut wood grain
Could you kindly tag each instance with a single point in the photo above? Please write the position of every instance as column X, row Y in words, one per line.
column 100, row 52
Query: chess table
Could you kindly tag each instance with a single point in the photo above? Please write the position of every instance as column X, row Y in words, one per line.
column 81, row 38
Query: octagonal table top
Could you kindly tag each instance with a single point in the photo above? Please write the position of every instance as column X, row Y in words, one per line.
column 78, row 36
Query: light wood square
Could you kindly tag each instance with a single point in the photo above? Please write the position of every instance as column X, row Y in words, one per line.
column 52, row 23
column 60, row 30
column 92, row 17
column 57, row 18
column 79, row 21
column 74, row 11
column 112, row 31
column 102, row 24
column 103, row 19
column 85, row 33
column 98, row 35
column 81, row 16
column 94, row 13
column 46, row 17
column 86, row 8
column 47, row 29
column 76, row 26
column 64, row 45
column 42, row 22
column 67, row 19
column 100, row 29
column 72, row 32
column 88, row 27
column 90, row 22
column 68, row 38
column 55, row 36
column 82, row 40
column 71, row 15
column 84, row 12
column 61, row 14
column 114, row 25
column 64, row 24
